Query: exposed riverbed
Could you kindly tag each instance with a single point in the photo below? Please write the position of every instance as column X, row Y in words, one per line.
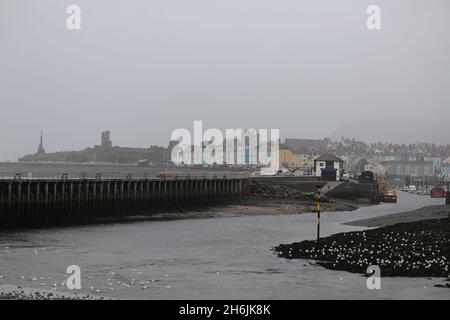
column 218, row 258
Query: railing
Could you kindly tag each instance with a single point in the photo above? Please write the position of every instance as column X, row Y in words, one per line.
column 112, row 176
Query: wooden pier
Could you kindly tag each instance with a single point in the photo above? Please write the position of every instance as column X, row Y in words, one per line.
column 31, row 202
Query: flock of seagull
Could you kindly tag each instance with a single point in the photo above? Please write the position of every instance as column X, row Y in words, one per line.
column 397, row 253
column 46, row 287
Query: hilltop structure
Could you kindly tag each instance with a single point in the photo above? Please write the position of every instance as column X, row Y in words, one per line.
column 103, row 153
column 106, row 142
column 41, row 149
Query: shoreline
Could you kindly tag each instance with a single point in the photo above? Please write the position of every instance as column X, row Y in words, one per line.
column 13, row 292
column 247, row 206
column 424, row 213
column 407, row 244
column 252, row 207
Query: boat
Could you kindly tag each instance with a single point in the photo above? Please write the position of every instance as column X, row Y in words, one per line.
column 438, row 192
column 388, row 196
column 387, row 192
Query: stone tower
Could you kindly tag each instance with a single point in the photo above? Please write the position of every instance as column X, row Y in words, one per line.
column 106, row 140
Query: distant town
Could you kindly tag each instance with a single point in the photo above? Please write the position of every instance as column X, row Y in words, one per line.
column 299, row 157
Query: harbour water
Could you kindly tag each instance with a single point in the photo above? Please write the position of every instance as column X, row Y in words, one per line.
column 217, row 258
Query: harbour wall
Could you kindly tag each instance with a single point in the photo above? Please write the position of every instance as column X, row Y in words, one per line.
column 30, row 202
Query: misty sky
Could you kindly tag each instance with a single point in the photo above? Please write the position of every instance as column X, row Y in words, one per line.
column 142, row 68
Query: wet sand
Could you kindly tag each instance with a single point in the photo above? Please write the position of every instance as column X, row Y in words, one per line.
column 256, row 206
column 248, row 206
column 425, row 213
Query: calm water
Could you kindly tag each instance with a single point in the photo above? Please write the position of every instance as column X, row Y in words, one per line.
column 219, row 258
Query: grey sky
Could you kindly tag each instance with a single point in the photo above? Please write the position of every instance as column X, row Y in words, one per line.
column 142, row 68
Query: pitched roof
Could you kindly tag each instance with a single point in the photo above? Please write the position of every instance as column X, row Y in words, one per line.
column 283, row 146
column 328, row 157
column 306, row 145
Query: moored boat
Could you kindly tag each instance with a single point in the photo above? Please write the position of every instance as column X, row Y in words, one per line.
column 388, row 196
column 438, row 192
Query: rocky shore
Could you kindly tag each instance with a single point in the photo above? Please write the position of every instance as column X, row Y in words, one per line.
column 280, row 199
column 264, row 190
column 412, row 249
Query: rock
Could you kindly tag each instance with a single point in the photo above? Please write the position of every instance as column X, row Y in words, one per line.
column 264, row 190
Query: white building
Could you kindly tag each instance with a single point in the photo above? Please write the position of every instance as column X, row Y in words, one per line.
column 327, row 162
